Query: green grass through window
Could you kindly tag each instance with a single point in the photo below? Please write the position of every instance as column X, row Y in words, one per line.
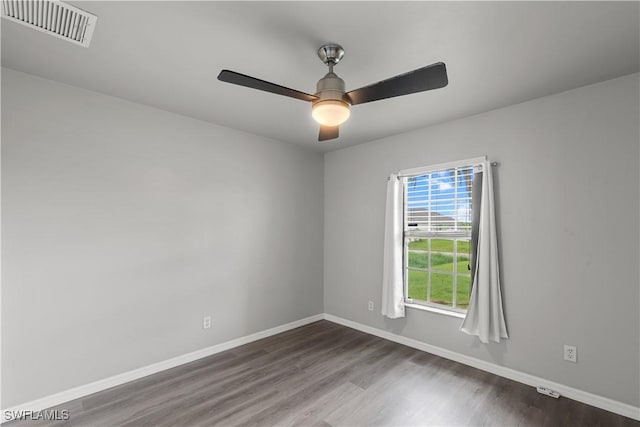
column 440, row 245
column 442, row 260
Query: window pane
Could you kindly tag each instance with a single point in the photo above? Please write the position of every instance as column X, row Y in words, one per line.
column 463, row 264
column 440, row 200
column 462, row 294
column 442, row 245
column 441, row 261
column 417, row 259
column 463, row 247
column 418, row 244
column 441, row 288
column 417, row 285
column 462, row 251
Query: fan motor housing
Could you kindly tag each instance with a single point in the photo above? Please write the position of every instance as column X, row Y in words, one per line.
column 330, row 87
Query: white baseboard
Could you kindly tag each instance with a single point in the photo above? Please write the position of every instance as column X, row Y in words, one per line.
column 87, row 389
column 566, row 391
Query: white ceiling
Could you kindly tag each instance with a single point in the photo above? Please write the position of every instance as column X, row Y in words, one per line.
column 168, row 55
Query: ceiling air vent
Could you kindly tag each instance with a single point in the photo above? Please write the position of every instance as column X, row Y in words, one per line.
column 52, row 17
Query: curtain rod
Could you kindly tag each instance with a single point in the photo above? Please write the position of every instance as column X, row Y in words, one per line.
column 418, row 174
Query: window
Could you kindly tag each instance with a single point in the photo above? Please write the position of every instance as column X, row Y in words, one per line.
column 437, row 237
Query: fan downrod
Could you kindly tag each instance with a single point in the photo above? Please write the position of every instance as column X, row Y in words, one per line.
column 331, row 53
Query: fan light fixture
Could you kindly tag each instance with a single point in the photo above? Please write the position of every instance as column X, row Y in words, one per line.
column 330, row 112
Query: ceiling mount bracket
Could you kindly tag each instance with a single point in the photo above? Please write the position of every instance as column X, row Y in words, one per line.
column 331, row 54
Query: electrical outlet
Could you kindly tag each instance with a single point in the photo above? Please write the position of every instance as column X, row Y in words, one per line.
column 206, row 322
column 370, row 306
column 570, row 353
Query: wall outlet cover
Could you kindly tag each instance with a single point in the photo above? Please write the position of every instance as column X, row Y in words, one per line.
column 206, row 322
column 570, row 353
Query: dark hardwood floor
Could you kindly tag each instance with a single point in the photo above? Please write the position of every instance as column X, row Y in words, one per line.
column 324, row 374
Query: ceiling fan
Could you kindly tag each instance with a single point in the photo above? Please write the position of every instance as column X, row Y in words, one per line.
column 330, row 104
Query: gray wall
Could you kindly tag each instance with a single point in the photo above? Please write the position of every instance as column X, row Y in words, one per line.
column 124, row 225
column 567, row 199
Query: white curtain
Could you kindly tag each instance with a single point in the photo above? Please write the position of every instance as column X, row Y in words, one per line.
column 485, row 317
column 392, row 279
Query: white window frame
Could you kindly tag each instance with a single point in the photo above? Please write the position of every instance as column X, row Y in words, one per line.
column 477, row 164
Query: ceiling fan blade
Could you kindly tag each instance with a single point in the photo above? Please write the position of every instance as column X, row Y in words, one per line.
column 432, row 76
column 252, row 82
column 328, row 132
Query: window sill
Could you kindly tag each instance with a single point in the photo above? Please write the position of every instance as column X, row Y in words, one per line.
column 435, row 310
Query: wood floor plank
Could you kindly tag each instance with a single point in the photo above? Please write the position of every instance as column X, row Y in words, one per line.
column 324, row 374
column 314, row 411
column 312, row 383
column 217, row 368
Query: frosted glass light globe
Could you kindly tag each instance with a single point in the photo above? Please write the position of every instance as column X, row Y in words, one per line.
column 330, row 112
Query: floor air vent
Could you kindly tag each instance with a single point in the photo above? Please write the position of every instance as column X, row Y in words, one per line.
column 52, row 17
